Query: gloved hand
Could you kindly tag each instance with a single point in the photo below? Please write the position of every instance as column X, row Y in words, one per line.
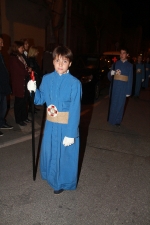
column 112, row 72
column 142, row 80
column 68, row 141
column 31, row 86
column 127, row 95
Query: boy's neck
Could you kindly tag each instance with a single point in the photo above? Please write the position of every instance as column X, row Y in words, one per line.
column 64, row 73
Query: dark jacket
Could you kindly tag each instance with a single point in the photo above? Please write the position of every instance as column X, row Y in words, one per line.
column 4, row 78
column 36, row 68
column 19, row 76
column 26, row 59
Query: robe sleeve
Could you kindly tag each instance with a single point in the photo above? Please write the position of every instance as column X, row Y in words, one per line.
column 130, row 80
column 39, row 98
column 74, row 111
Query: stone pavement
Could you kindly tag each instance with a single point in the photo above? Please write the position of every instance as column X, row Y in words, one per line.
column 20, row 133
column 114, row 182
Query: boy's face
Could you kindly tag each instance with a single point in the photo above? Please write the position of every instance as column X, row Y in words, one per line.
column 123, row 55
column 61, row 64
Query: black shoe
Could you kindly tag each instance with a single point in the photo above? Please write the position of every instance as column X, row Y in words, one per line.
column 58, row 192
column 117, row 124
column 22, row 123
column 28, row 121
column 7, row 127
column 1, row 134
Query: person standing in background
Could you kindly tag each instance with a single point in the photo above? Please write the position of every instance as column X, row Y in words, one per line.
column 33, row 64
column 147, row 74
column 19, row 72
column 26, row 49
column 121, row 87
column 4, row 91
column 25, row 56
column 140, row 76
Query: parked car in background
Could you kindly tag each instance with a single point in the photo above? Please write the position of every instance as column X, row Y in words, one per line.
column 92, row 72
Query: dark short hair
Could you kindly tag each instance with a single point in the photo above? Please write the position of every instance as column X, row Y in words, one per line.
column 15, row 46
column 124, row 48
column 63, row 51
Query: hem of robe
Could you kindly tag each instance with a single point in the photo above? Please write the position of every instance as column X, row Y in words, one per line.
column 114, row 123
column 68, row 186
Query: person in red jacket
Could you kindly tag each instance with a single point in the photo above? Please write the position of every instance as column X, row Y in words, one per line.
column 19, row 72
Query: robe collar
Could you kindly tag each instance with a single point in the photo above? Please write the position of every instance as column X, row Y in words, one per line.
column 124, row 60
column 63, row 73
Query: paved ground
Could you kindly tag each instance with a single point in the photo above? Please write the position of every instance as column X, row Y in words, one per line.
column 114, row 182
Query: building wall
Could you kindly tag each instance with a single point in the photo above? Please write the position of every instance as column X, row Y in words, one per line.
column 23, row 19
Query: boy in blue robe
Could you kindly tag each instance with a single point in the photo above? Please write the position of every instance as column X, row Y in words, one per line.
column 121, row 87
column 60, row 145
column 147, row 74
column 140, row 76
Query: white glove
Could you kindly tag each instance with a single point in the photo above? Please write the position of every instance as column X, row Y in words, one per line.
column 31, row 86
column 68, row 141
column 112, row 72
column 142, row 80
column 127, row 95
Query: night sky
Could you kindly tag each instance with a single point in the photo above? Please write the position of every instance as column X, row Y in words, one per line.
column 136, row 13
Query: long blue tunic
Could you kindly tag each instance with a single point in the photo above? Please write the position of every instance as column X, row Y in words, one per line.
column 140, row 74
column 119, row 91
column 59, row 164
column 147, row 73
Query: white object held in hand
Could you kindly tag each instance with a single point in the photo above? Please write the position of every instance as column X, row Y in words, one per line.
column 127, row 95
column 31, row 86
column 68, row 141
column 112, row 72
column 142, row 80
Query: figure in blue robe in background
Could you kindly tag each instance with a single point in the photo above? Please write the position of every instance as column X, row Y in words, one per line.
column 147, row 74
column 121, row 87
column 60, row 145
column 140, row 76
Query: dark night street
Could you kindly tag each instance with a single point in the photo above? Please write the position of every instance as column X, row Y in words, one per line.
column 102, row 44
column 114, row 181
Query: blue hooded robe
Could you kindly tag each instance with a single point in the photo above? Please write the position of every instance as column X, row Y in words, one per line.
column 119, row 91
column 140, row 74
column 147, row 73
column 59, row 164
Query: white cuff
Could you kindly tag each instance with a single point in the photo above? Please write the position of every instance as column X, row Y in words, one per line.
column 31, row 86
column 68, row 141
column 112, row 72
